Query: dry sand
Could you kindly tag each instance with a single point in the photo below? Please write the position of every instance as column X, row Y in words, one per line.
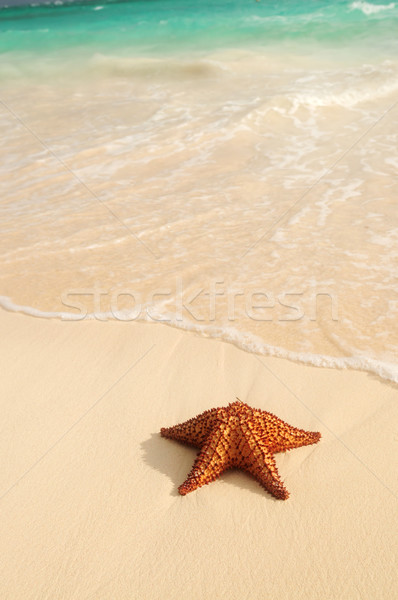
column 89, row 500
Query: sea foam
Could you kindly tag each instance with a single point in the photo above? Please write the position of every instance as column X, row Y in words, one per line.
column 371, row 9
column 348, row 98
column 244, row 340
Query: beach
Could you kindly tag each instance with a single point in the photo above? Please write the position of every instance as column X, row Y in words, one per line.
column 89, row 487
column 198, row 205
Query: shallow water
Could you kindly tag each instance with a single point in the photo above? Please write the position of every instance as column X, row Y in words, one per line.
column 224, row 167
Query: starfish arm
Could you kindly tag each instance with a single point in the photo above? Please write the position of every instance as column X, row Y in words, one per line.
column 194, row 431
column 211, row 462
column 260, row 463
column 279, row 436
column 295, row 438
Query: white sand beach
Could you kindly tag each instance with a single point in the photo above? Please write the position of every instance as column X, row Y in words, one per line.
column 89, row 500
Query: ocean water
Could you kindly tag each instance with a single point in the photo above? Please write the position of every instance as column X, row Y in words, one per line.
column 228, row 167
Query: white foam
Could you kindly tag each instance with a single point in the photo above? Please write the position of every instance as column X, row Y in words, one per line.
column 296, row 218
column 244, row 340
column 8, row 304
column 370, row 9
column 348, row 98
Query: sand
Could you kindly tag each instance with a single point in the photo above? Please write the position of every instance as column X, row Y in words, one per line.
column 89, row 500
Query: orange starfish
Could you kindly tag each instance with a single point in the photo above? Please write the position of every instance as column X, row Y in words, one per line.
column 238, row 436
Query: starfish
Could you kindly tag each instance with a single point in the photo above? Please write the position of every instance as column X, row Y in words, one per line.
column 238, row 436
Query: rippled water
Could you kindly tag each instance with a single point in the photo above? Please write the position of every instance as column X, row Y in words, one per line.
column 226, row 167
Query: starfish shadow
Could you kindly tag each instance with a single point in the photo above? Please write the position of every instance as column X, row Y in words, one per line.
column 175, row 460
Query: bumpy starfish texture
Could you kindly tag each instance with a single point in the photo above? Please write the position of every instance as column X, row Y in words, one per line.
column 238, row 436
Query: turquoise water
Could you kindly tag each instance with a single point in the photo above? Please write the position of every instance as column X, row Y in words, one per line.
column 158, row 26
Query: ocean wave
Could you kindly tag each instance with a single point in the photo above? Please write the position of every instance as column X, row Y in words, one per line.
column 285, row 19
column 371, row 9
column 348, row 98
column 243, row 340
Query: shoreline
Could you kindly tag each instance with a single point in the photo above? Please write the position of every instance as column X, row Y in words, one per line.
column 89, row 487
column 386, row 371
